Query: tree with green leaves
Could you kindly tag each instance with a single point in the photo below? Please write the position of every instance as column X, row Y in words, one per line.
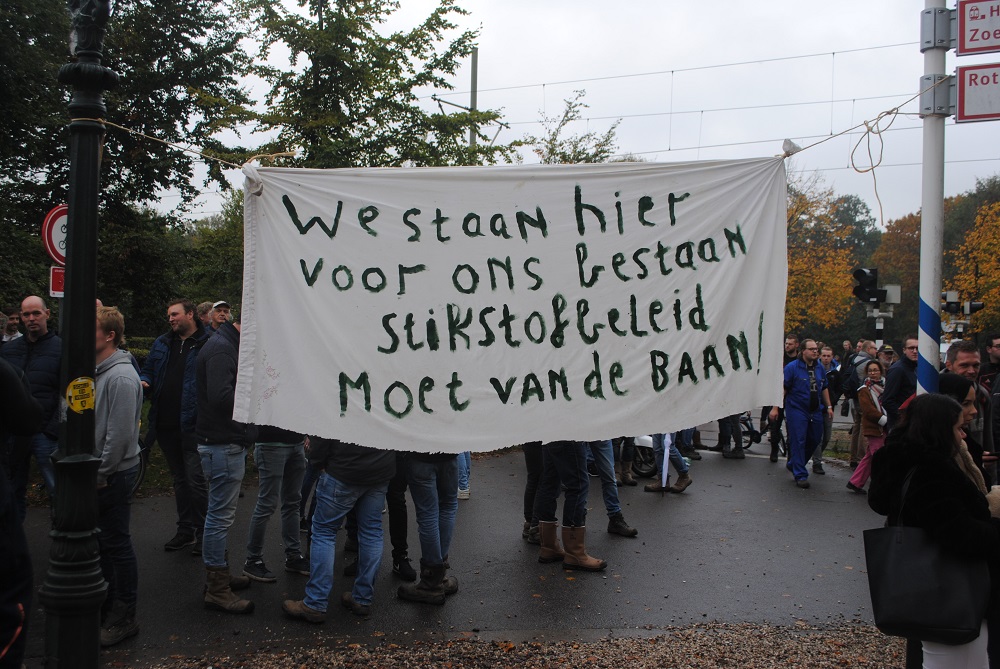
column 555, row 147
column 214, row 270
column 349, row 96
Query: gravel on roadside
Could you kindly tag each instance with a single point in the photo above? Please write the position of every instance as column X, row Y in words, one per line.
column 707, row 646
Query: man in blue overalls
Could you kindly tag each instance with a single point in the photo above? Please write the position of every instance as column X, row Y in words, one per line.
column 807, row 398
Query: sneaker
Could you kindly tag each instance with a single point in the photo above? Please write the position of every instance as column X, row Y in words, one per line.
column 256, row 570
column 402, row 568
column 804, row 484
column 351, row 570
column 297, row 565
column 464, row 494
column 347, row 601
column 533, row 537
column 298, row 609
column 180, row 540
column 818, row 470
column 854, row 488
column 592, row 469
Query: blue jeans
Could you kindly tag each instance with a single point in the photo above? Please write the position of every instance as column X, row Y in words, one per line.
column 118, row 562
column 604, row 456
column 464, row 467
column 564, row 463
column 434, row 489
column 282, row 468
column 334, row 499
column 224, row 466
column 675, row 457
column 43, row 447
column 308, row 485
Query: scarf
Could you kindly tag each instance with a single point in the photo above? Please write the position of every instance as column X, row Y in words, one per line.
column 968, row 466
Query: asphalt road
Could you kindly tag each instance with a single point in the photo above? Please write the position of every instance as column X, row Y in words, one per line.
column 742, row 544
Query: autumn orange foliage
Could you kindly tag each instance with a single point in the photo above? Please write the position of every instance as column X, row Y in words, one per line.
column 977, row 264
column 819, row 266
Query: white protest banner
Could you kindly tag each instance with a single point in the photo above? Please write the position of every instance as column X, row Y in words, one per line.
column 473, row 308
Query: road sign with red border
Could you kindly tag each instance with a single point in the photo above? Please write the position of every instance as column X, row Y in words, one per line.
column 978, row 27
column 54, row 233
column 57, row 281
column 978, row 93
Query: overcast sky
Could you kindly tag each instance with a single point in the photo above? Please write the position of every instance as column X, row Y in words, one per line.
column 719, row 80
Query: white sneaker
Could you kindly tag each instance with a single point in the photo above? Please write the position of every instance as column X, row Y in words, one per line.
column 464, row 494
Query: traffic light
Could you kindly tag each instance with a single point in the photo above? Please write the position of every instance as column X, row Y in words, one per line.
column 867, row 289
column 969, row 308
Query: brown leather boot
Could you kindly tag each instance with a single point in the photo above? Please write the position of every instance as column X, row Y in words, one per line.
column 574, row 540
column 549, row 541
column 696, row 442
column 219, row 596
column 681, row 484
column 618, row 474
column 429, row 590
column 655, row 486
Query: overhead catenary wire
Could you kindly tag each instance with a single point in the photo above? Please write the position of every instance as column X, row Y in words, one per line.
column 696, row 68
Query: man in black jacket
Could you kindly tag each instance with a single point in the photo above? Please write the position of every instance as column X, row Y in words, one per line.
column 222, row 443
column 20, row 413
column 39, row 355
column 353, row 477
column 901, row 381
column 168, row 377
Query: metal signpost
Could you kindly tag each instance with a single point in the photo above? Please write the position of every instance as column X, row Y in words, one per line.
column 973, row 27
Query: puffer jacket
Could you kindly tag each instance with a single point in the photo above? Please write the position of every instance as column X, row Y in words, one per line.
column 40, row 361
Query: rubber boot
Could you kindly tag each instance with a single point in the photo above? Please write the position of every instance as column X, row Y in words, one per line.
column 549, row 541
column 574, row 540
column 430, row 588
column 681, row 484
column 218, row 594
column 627, row 477
column 618, row 474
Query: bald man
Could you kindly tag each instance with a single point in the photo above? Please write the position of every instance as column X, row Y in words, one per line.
column 39, row 355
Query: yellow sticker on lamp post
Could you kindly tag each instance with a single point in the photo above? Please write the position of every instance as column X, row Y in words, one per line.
column 80, row 394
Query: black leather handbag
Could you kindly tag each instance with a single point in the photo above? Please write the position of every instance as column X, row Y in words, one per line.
column 919, row 591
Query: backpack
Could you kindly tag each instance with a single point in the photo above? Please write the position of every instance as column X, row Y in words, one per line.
column 853, row 381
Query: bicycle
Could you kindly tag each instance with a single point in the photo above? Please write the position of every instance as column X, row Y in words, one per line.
column 750, row 435
column 143, row 466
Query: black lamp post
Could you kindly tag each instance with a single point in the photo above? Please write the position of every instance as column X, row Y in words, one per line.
column 74, row 589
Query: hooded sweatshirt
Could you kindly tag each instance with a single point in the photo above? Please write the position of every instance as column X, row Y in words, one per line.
column 117, row 412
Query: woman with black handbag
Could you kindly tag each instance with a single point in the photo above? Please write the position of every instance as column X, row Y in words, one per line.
column 917, row 484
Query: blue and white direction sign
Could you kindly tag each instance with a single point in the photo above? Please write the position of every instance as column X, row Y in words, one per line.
column 978, row 93
column 978, row 27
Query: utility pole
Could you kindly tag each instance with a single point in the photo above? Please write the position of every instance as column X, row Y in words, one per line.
column 74, row 588
column 473, row 102
column 935, row 41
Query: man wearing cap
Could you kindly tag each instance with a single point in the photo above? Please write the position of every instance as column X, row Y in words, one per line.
column 221, row 313
column 886, row 355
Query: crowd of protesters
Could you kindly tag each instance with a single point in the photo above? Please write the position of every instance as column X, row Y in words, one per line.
column 318, row 486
